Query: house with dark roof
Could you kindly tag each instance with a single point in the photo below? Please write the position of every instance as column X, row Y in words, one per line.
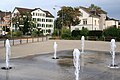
column 43, row 19
column 92, row 19
column 4, row 21
column 111, row 22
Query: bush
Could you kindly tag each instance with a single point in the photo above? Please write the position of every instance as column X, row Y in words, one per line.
column 55, row 33
column 40, row 33
column 118, row 33
column 8, row 35
column 34, row 33
column 111, row 32
column 75, row 33
column 84, row 32
column 96, row 33
column 17, row 33
column 66, row 34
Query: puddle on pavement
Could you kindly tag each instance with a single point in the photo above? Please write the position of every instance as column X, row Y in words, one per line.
column 43, row 67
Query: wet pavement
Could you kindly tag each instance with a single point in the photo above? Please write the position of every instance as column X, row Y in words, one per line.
column 94, row 66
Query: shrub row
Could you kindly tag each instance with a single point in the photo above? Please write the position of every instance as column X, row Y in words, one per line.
column 108, row 34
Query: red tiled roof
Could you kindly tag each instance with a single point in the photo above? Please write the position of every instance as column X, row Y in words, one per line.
column 21, row 10
column 3, row 14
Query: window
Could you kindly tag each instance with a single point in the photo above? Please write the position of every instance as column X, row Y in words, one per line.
column 95, row 22
column 49, row 25
column 43, row 31
column 37, row 24
column 76, row 28
column 40, row 14
column 49, row 20
column 34, row 19
column 43, row 25
column 85, row 21
column 36, row 14
column 43, row 20
column 43, row 14
column 33, row 14
column 38, row 19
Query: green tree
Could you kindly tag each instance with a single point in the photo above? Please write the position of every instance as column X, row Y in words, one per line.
column 55, row 33
column 75, row 33
column 84, row 32
column 58, row 23
column 68, row 16
column 66, row 33
column 94, row 7
column 27, row 21
column 23, row 22
column 16, row 20
column 111, row 32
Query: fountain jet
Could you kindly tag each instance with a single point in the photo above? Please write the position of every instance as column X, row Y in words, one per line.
column 82, row 43
column 55, row 51
column 8, row 54
column 112, row 51
column 76, row 62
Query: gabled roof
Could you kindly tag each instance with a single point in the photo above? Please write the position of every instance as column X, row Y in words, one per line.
column 85, row 9
column 48, row 14
column 108, row 18
column 37, row 9
column 3, row 14
column 119, row 23
column 94, row 13
column 23, row 10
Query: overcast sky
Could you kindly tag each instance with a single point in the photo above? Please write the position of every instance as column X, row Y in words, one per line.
column 112, row 7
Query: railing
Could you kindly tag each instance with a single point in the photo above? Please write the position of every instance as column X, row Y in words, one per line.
column 23, row 40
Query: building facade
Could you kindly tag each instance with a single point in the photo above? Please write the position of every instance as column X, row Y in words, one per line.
column 93, row 20
column 5, row 20
column 112, row 22
column 42, row 19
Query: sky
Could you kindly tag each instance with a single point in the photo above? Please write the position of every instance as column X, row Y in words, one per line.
column 112, row 7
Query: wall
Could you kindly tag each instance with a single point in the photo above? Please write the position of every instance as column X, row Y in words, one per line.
column 111, row 23
column 102, row 21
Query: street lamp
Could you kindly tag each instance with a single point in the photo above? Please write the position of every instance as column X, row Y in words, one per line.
column 62, row 18
column 17, row 24
column 62, row 13
column 11, row 25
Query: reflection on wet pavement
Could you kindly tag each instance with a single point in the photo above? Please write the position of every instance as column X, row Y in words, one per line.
column 94, row 66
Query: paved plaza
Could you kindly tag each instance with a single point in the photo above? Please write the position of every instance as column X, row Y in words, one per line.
column 34, row 61
column 47, row 47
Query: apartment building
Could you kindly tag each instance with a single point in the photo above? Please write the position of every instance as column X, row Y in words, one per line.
column 5, row 20
column 94, row 20
column 111, row 21
column 43, row 20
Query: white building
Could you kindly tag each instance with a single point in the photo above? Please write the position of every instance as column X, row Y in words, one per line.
column 92, row 20
column 111, row 22
column 4, row 22
column 43, row 20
